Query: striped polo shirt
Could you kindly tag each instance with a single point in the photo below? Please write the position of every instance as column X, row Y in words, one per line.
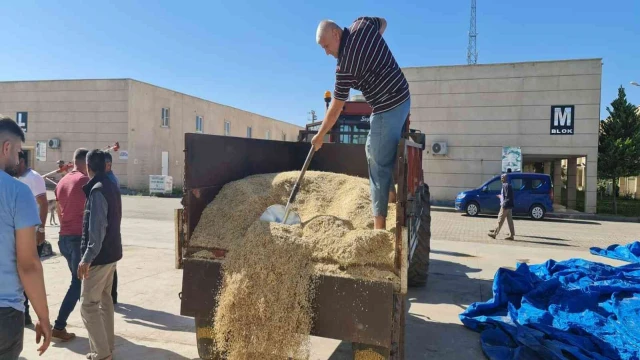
column 365, row 63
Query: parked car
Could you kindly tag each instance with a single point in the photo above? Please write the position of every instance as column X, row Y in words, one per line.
column 533, row 196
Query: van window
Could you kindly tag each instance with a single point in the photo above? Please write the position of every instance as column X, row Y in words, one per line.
column 537, row 183
column 495, row 185
column 517, row 184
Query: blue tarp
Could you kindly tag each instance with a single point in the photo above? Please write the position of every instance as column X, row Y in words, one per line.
column 574, row 309
column 629, row 252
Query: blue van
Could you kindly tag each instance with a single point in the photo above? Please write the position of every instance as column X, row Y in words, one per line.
column 533, row 196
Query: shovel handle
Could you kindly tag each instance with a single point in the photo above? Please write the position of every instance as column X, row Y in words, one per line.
column 296, row 187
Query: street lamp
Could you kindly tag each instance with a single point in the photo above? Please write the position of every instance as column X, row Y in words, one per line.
column 634, row 83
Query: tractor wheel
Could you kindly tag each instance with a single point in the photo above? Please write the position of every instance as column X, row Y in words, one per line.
column 420, row 238
column 204, row 337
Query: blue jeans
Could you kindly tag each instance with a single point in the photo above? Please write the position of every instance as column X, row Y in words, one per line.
column 11, row 333
column 381, row 148
column 70, row 249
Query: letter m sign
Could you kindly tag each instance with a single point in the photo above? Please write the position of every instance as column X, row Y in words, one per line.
column 562, row 119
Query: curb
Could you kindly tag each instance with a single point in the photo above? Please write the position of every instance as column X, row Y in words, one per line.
column 593, row 217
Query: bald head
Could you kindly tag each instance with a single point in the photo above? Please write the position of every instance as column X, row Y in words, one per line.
column 328, row 36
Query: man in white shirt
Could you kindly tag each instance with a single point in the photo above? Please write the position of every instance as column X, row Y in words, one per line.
column 35, row 182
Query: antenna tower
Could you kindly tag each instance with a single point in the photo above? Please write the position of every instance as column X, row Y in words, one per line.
column 472, row 52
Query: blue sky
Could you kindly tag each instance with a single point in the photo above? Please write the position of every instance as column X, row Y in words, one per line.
column 262, row 56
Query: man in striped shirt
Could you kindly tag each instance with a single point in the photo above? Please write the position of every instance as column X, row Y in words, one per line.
column 365, row 63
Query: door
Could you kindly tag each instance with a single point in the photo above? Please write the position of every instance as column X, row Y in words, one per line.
column 488, row 197
column 165, row 163
column 521, row 193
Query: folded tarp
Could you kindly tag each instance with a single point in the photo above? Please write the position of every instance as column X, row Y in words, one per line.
column 629, row 252
column 574, row 309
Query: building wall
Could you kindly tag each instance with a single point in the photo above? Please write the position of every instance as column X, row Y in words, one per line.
column 148, row 139
column 81, row 113
column 97, row 113
column 481, row 108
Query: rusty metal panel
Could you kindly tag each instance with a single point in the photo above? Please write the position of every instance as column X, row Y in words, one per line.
column 349, row 159
column 213, row 160
column 200, row 285
column 353, row 310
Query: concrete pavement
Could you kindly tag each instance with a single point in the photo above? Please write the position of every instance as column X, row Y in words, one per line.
column 148, row 325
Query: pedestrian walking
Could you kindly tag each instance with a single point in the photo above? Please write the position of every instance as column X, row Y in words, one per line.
column 20, row 267
column 101, row 248
column 506, row 208
column 71, row 199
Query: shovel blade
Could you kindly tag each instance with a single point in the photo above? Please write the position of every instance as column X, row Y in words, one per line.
column 275, row 213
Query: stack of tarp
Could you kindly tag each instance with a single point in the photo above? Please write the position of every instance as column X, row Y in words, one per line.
column 574, row 309
column 628, row 253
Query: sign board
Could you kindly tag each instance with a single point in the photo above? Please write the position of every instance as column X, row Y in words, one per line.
column 41, row 151
column 22, row 120
column 511, row 159
column 123, row 155
column 160, row 184
column 562, row 119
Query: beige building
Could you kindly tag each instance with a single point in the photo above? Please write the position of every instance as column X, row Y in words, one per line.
column 149, row 122
column 551, row 110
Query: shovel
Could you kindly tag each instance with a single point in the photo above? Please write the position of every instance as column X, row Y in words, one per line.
column 284, row 215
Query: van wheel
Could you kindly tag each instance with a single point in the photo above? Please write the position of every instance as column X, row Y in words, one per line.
column 473, row 209
column 537, row 212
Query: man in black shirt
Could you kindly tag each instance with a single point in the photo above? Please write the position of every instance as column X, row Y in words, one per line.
column 506, row 207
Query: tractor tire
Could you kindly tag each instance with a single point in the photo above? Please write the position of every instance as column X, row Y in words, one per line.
column 204, row 337
column 419, row 238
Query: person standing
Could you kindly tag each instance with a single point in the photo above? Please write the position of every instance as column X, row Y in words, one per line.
column 101, row 249
column 114, row 179
column 506, row 208
column 71, row 199
column 20, row 267
column 365, row 63
column 35, row 182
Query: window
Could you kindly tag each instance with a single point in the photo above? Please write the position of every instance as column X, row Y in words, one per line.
column 284, row 137
column 517, row 184
column 536, row 183
column 248, row 132
column 165, row 117
column 227, row 128
column 495, row 185
column 268, row 135
column 198, row 124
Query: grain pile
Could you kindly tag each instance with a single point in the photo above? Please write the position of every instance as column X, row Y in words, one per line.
column 264, row 306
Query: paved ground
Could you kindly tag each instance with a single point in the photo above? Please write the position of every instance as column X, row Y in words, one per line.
column 148, row 325
column 557, row 233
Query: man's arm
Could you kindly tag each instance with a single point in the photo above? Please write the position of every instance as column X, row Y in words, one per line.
column 32, row 279
column 43, row 205
column 97, row 231
column 327, row 123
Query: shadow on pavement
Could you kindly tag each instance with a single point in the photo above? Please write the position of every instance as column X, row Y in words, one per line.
column 450, row 253
column 568, row 221
column 432, row 329
column 125, row 349
column 154, row 319
column 543, row 238
column 542, row 242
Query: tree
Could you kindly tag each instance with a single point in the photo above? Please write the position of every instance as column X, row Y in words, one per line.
column 619, row 143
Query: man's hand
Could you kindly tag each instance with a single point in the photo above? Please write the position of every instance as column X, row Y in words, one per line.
column 317, row 141
column 83, row 270
column 40, row 237
column 43, row 331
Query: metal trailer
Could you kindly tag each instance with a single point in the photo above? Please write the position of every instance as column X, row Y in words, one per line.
column 368, row 314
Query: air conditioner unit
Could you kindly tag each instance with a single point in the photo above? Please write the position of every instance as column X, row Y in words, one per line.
column 54, row 143
column 439, row 148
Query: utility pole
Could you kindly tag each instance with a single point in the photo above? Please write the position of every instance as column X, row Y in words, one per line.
column 472, row 52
